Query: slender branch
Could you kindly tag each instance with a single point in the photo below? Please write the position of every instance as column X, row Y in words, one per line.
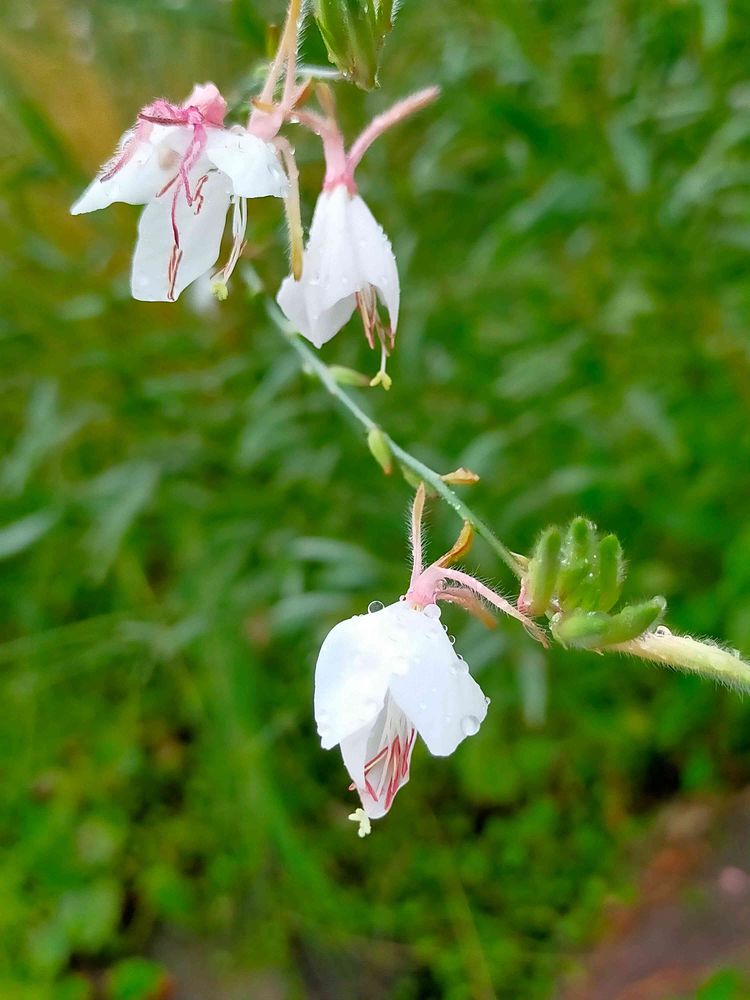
column 315, row 366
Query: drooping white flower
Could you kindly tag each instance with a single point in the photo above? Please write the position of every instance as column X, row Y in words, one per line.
column 380, row 679
column 384, row 677
column 348, row 263
column 187, row 169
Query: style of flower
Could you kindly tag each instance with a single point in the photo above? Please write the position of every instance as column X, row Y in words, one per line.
column 348, row 262
column 186, row 168
column 383, row 677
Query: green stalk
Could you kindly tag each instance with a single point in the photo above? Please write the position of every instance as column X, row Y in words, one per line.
column 311, row 363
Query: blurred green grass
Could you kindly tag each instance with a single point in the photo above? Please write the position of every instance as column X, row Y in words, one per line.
column 183, row 515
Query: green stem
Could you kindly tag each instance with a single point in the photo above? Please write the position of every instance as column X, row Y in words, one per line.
column 685, row 653
column 313, row 364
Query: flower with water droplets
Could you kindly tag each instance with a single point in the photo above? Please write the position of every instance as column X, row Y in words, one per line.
column 348, row 262
column 186, row 168
column 384, row 677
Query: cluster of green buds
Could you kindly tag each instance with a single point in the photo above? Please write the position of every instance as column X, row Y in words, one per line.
column 575, row 577
column 354, row 32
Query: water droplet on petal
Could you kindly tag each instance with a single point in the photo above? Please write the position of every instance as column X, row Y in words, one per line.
column 662, row 630
column 431, row 611
column 445, row 628
column 452, row 640
column 374, row 606
column 488, row 701
column 460, row 666
column 469, row 725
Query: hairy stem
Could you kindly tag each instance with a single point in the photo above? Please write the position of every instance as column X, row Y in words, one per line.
column 685, row 653
column 315, row 366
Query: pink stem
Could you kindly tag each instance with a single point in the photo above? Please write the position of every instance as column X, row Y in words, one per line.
column 417, row 510
column 495, row 599
column 381, row 123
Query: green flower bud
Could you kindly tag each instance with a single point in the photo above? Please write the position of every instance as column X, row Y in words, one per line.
column 541, row 576
column 633, row 620
column 347, row 376
column 611, row 572
column 578, row 577
column 580, row 629
column 354, row 32
column 380, row 449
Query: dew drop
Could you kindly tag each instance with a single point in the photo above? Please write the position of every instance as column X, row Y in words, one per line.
column 452, row 640
column 445, row 628
column 662, row 630
column 469, row 725
column 487, row 701
column 432, row 611
column 374, row 606
column 460, row 666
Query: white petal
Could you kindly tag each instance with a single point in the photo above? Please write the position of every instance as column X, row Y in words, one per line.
column 377, row 264
column 251, row 164
column 300, row 304
column 437, row 693
column 352, row 673
column 200, row 228
column 144, row 173
column 374, row 787
column 323, row 300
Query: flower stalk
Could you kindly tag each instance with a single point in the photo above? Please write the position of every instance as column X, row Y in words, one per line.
column 312, row 364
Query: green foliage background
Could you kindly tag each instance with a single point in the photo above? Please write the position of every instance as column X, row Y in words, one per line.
column 184, row 515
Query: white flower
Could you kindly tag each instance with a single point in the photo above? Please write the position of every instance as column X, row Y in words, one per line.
column 186, row 168
column 348, row 263
column 380, row 679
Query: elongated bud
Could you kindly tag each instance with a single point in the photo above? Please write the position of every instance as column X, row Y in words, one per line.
column 541, row 578
column 580, row 629
column 354, row 32
column 577, row 582
column 611, row 572
column 596, row 630
column 380, row 449
column 348, row 376
column 634, row 620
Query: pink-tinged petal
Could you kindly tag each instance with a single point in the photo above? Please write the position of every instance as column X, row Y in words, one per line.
column 160, row 269
column 437, row 693
column 207, row 98
column 139, row 169
column 251, row 164
column 377, row 264
column 378, row 758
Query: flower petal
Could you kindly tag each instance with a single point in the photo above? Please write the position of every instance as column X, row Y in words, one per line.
column 322, row 301
column 251, row 164
column 377, row 264
column 437, row 693
column 200, row 229
column 147, row 165
column 351, row 676
column 377, row 766
column 300, row 305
